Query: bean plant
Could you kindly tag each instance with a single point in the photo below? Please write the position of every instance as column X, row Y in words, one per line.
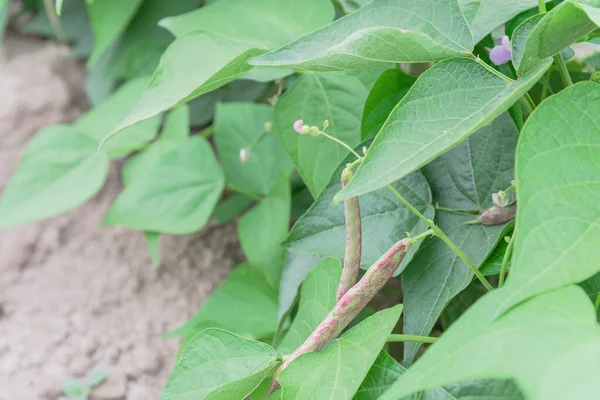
column 438, row 163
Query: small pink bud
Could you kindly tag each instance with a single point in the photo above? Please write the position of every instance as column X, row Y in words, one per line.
column 298, row 126
column 244, row 155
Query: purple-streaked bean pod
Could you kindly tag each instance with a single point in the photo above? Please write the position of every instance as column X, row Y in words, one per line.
column 352, row 303
column 353, row 240
column 498, row 215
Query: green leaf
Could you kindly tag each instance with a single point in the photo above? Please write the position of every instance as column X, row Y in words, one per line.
column 225, row 49
column 96, row 376
column 153, row 243
column 484, row 16
column 548, row 345
column 264, row 227
column 229, row 208
column 538, row 38
column 139, row 48
column 558, row 159
column 108, row 19
column 73, row 387
column 60, row 170
column 176, row 129
column 238, row 19
column 314, row 98
column 321, row 231
column 493, row 264
column 336, row 371
column 73, row 22
column 379, row 33
column 461, row 179
column 447, row 104
column 244, row 304
column 295, row 269
column 592, row 288
column 99, row 121
column 318, row 296
column 349, row 6
column 4, row 14
column 461, row 303
column 176, row 196
column 385, row 371
column 389, row 89
column 219, row 365
column 242, row 126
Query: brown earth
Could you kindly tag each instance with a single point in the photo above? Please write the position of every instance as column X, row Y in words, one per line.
column 72, row 295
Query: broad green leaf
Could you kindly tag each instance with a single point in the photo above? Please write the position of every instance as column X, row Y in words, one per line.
column 244, row 304
column 461, row 179
column 242, row 126
column 295, row 269
column 461, row 303
column 539, row 38
column 139, row 48
column 314, row 98
column 592, row 288
column 99, row 121
column 5, row 6
column 258, row 20
column 318, row 296
column 379, row 33
column 153, row 243
column 176, row 129
column 176, row 196
column 447, row 104
column 385, row 371
column 184, row 72
column 264, row 227
column 60, row 170
column 108, row 19
column 390, row 88
column 336, row 372
column 548, row 345
column 321, row 231
column 219, row 365
column 484, row 16
column 558, row 158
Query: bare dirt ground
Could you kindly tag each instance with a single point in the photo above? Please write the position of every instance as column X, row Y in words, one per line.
column 72, row 295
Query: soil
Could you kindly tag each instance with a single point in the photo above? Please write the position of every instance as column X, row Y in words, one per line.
column 74, row 296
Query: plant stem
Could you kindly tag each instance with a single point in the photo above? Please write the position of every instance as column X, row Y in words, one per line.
column 440, row 234
column 420, row 236
column 338, row 141
column 562, row 69
column 207, row 132
column 54, row 20
column 542, row 6
column 491, row 69
column 505, row 260
column 528, row 103
column 410, row 338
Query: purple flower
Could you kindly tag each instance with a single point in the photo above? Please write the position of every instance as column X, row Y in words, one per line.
column 298, row 126
column 501, row 54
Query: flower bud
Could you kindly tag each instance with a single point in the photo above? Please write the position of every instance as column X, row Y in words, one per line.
column 244, row 155
column 500, row 199
column 298, row 125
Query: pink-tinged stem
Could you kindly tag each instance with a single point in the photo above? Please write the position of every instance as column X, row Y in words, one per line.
column 353, row 241
column 352, row 303
column 498, row 215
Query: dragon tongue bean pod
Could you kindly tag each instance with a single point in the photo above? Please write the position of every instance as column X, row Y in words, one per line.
column 498, row 215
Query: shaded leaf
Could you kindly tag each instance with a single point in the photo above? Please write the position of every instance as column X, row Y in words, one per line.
column 177, row 195
column 447, row 104
column 264, row 227
column 60, row 169
column 390, row 88
column 379, row 33
column 219, row 365
column 225, row 50
column 557, row 171
column 493, row 264
column 108, row 19
column 229, row 208
column 242, row 126
column 321, row 231
column 541, row 344
column 463, row 178
column 318, row 296
column 385, row 371
column 153, row 243
column 314, row 98
column 336, row 371
column 538, row 38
